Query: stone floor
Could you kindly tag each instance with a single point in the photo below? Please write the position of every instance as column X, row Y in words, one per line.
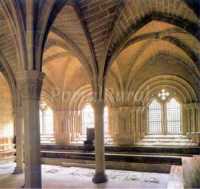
column 57, row 177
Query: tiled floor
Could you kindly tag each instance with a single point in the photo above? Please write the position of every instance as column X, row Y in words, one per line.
column 71, row 178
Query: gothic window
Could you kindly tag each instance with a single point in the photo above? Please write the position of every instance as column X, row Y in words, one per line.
column 173, row 117
column 46, row 120
column 8, row 130
column 106, row 131
column 88, row 118
column 164, row 114
column 155, row 117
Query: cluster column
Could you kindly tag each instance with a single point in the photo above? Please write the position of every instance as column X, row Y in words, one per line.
column 30, row 83
column 100, row 176
column 192, row 112
column 18, row 124
column 128, row 124
column 60, row 127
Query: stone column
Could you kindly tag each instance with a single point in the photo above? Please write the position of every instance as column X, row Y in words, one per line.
column 143, row 122
column 193, row 116
column 187, row 113
column 18, row 124
column 123, row 124
column 133, row 125
column 138, row 123
column 184, row 128
column 30, row 83
column 100, row 176
column 60, row 126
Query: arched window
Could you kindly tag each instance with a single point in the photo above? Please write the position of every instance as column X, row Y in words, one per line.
column 106, row 131
column 164, row 114
column 87, row 118
column 173, row 117
column 8, row 130
column 46, row 120
column 154, row 117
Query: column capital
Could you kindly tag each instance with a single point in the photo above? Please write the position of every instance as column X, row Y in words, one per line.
column 125, row 108
column 30, row 84
column 17, row 110
column 194, row 105
column 98, row 102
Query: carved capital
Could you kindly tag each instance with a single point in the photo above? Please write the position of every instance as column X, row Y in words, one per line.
column 98, row 103
column 192, row 106
column 17, row 111
column 30, row 84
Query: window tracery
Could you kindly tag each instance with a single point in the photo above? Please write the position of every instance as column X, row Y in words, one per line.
column 164, row 114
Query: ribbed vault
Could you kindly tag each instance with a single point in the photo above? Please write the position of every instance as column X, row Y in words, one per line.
column 176, row 85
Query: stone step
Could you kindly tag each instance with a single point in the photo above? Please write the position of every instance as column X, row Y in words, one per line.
column 7, row 154
column 47, row 139
column 165, row 136
column 8, row 159
column 165, row 140
column 190, row 150
column 6, row 147
column 165, row 144
column 116, row 157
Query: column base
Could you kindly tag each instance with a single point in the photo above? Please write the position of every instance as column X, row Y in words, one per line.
column 18, row 170
column 99, row 178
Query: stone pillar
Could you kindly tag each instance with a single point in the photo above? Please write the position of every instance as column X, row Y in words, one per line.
column 137, row 126
column 184, row 128
column 188, row 117
column 100, row 176
column 18, row 124
column 198, row 117
column 143, row 114
column 133, row 125
column 123, row 124
column 195, row 121
column 193, row 117
column 79, row 122
column 60, row 127
column 30, row 83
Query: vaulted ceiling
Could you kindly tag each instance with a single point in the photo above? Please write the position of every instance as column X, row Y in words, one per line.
column 112, row 40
